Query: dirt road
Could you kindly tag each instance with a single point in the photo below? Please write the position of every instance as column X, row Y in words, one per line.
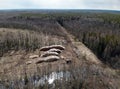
column 79, row 48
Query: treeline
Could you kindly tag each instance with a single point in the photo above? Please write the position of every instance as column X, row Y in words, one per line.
column 46, row 26
column 100, row 32
column 99, row 35
column 37, row 32
column 18, row 39
column 110, row 18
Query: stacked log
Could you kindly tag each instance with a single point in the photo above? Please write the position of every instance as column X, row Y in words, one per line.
column 46, row 54
column 48, row 59
column 50, row 53
column 46, row 48
column 55, row 50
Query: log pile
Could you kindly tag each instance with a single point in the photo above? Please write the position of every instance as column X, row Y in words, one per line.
column 46, row 54
column 46, row 48
column 48, row 59
column 50, row 53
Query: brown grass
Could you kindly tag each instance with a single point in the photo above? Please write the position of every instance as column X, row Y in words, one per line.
column 17, row 39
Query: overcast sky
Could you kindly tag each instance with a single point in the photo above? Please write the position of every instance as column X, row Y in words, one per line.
column 60, row 4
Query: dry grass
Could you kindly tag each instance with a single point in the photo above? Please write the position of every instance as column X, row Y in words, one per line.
column 17, row 39
column 16, row 45
column 82, row 76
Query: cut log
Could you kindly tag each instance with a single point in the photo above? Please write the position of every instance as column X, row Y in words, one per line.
column 60, row 47
column 33, row 56
column 46, row 48
column 28, row 62
column 46, row 54
column 48, row 59
column 55, row 50
column 40, row 60
column 51, row 58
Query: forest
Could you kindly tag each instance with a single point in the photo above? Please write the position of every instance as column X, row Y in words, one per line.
column 23, row 33
column 98, row 31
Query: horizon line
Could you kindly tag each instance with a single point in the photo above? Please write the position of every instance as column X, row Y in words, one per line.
column 58, row 9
